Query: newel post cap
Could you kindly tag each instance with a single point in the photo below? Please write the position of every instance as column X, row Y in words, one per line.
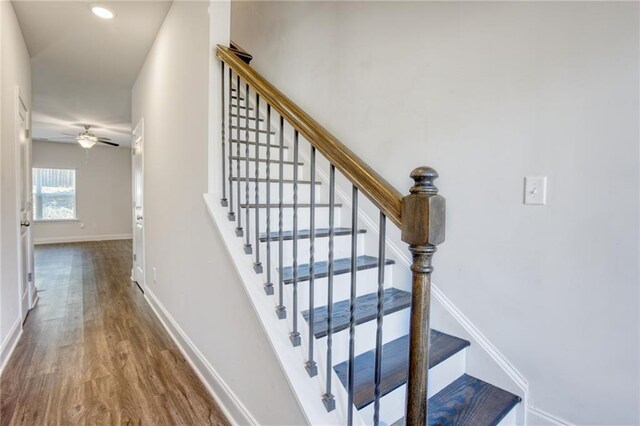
column 423, row 210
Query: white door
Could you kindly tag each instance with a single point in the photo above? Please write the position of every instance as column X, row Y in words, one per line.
column 23, row 141
column 138, row 211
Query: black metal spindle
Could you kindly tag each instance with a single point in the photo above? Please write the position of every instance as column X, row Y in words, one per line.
column 379, row 320
column 231, row 215
column 295, row 334
column 257, row 265
column 238, row 178
column 327, row 398
column 281, row 311
column 311, row 365
column 268, row 287
column 352, row 303
column 224, row 202
column 247, row 244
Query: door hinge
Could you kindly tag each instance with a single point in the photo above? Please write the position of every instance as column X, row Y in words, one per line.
column 29, row 277
column 134, row 257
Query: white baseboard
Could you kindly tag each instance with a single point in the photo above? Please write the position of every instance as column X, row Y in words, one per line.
column 228, row 402
column 81, row 238
column 9, row 343
column 537, row 417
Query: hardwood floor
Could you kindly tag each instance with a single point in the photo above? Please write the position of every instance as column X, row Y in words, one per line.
column 93, row 352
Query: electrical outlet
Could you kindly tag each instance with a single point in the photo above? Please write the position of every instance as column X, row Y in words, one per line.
column 535, row 190
column 81, row 225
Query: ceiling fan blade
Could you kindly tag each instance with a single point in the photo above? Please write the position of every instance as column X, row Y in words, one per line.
column 69, row 134
column 108, row 143
column 104, row 139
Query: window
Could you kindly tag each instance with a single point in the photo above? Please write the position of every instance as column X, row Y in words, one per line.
column 54, row 194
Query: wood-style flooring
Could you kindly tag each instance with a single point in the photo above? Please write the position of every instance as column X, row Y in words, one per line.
column 93, row 352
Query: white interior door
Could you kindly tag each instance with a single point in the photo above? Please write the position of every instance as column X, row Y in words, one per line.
column 138, row 206
column 23, row 141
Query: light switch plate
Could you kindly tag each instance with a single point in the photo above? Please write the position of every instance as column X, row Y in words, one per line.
column 535, row 190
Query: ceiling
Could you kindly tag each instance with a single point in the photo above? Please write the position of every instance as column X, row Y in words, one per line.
column 83, row 67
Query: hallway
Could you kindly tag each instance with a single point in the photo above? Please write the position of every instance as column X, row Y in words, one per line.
column 93, row 352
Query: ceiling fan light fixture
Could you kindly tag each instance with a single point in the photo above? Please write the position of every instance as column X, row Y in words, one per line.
column 102, row 12
column 86, row 142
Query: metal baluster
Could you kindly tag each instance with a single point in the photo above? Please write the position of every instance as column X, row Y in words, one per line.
column 223, row 201
column 311, row 365
column 231, row 215
column 352, row 302
column 295, row 334
column 281, row 311
column 247, row 244
column 239, row 225
column 257, row 266
column 379, row 319
column 268, row 287
column 327, row 398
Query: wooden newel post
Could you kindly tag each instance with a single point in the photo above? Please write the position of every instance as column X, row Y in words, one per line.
column 423, row 217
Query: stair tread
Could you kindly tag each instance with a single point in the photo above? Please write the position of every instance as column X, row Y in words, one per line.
column 260, row 144
column 285, row 205
column 366, row 310
column 468, row 401
column 233, row 126
column 243, row 117
column 304, row 233
column 395, row 362
column 264, row 160
column 276, row 180
column 340, row 266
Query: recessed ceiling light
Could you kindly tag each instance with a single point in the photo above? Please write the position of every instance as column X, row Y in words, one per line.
column 102, row 12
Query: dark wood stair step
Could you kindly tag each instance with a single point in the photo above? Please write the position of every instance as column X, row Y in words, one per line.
column 305, row 234
column 468, row 401
column 285, row 205
column 243, row 117
column 264, row 160
column 276, row 180
column 260, row 144
column 242, row 128
column 366, row 310
column 340, row 266
column 395, row 362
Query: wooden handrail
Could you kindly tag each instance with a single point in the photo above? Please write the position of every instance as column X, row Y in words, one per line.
column 384, row 196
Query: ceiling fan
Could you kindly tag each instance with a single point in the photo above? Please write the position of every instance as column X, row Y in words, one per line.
column 87, row 139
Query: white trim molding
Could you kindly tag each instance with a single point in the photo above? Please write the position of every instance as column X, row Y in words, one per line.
column 82, row 238
column 230, row 404
column 538, row 417
column 9, row 344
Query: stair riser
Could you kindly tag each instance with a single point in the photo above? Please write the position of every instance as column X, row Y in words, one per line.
column 304, row 195
column 321, row 218
column 395, row 325
column 342, row 248
column 274, row 154
column 274, row 169
column 366, row 282
column 392, row 405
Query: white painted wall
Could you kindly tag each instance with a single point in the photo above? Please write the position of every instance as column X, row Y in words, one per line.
column 196, row 282
column 16, row 71
column 488, row 93
column 103, row 192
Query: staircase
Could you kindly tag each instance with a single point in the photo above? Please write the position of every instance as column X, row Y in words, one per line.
column 325, row 271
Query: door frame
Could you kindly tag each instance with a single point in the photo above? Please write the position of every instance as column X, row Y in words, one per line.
column 21, row 174
column 138, row 131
